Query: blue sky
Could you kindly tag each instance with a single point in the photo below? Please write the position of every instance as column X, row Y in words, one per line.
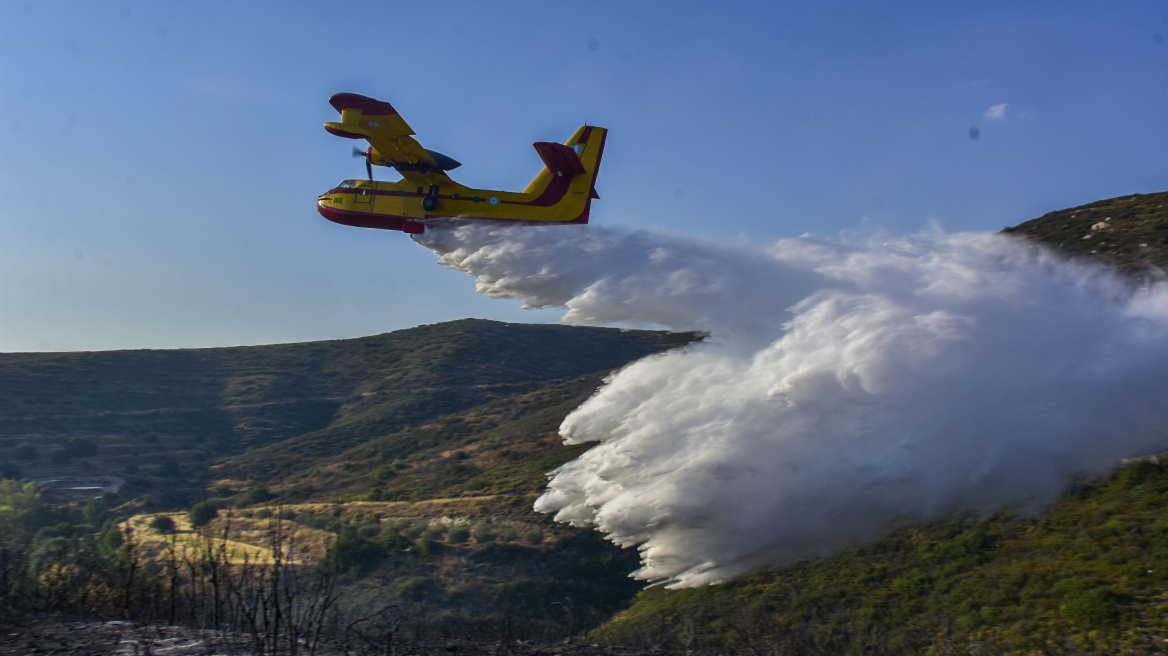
column 159, row 162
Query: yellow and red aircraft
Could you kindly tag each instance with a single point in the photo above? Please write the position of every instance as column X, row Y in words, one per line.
column 561, row 193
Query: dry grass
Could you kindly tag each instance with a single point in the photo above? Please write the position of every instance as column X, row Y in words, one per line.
column 247, row 540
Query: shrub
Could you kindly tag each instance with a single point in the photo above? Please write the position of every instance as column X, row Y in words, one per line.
column 416, row 587
column 1094, row 609
column 392, row 541
column 458, row 534
column 415, row 530
column 222, row 490
column 203, row 512
column 25, row 451
column 534, row 535
column 483, row 533
column 162, row 524
column 110, row 539
column 81, row 447
column 109, row 498
column 507, row 533
column 429, row 547
column 9, row 470
column 59, row 456
column 257, row 494
column 384, row 472
column 263, row 513
column 353, row 553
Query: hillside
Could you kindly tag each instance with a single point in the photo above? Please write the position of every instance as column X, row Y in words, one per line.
column 1129, row 233
column 1090, row 576
column 160, row 418
column 425, row 447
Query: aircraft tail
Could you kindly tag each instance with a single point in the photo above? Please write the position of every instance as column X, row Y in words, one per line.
column 573, row 165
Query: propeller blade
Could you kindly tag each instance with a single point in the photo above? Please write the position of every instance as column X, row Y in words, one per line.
column 357, row 152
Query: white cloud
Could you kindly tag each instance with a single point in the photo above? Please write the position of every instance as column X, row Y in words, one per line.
column 996, row 112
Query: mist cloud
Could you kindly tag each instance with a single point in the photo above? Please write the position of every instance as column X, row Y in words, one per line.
column 996, row 112
column 846, row 389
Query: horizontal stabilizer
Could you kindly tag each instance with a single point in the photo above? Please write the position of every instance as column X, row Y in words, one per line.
column 558, row 158
column 367, row 105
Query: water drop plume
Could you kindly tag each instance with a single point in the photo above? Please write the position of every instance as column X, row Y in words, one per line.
column 848, row 387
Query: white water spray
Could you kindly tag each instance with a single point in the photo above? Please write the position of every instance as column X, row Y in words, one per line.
column 845, row 390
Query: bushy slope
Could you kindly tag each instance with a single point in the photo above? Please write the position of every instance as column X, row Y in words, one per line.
column 1089, row 576
column 421, row 451
column 304, row 402
column 1129, row 232
column 502, row 447
column 440, row 518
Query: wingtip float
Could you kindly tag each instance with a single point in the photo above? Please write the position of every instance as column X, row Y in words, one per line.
column 560, row 193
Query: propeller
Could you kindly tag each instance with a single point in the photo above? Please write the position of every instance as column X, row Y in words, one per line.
column 357, row 152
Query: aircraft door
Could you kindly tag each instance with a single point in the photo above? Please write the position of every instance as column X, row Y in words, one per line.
column 364, row 198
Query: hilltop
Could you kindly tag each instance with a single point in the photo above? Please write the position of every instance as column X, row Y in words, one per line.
column 1129, row 233
column 162, row 418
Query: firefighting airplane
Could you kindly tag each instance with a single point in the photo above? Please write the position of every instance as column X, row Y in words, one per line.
column 561, row 193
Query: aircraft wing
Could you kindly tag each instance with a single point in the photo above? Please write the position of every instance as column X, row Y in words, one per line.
column 380, row 124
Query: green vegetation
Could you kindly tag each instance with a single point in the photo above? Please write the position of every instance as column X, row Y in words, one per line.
column 203, row 512
column 463, row 413
column 257, row 494
column 1129, row 232
column 264, row 414
column 1088, row 576
column 51, row 555
column 58, row 456
column 162, row 524
column 81, row 447
column 458, row 534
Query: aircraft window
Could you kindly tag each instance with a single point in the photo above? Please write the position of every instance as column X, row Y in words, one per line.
column 579, row 148
column 347, row 184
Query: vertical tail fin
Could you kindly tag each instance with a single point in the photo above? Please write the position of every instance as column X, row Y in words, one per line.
column 580, row 156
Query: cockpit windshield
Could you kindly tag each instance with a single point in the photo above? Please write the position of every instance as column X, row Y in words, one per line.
column 347, row 184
